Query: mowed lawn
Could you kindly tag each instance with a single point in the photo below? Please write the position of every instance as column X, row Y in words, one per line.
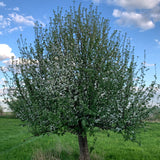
column 16, row 143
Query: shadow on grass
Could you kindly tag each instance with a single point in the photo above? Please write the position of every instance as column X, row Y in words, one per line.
column 55, row 155
column 61, row 153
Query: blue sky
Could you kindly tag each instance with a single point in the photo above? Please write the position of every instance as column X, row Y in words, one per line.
column 139, row 18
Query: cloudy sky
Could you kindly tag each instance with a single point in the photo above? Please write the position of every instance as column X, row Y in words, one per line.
column 139, row 18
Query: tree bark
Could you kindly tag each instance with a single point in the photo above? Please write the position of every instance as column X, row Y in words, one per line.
column 83, row 146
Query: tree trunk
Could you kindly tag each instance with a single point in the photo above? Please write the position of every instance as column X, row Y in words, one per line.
column 83, row 146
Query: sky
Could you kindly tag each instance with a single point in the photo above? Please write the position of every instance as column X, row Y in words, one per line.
column 140, row 19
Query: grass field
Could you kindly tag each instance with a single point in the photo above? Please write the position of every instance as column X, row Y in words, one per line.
column 16, row 143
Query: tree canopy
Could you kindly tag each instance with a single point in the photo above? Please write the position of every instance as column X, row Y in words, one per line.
column 78, row 75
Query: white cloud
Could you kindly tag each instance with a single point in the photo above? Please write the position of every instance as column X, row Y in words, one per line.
column 5, row 22
column 1, row 17
column 157, row 41
column 7, row 62
column 142, row 14
column 149, row 65
column 117, row 13
column 28, row 20
column 16, row 9
column 5, row 52
column 135, row 4
column 14, row 22
column 10, row 62
column 155, row 14
column 133, row 19
column 15, row 29
column 96, row 1
column 20, row 28
column 2, row 4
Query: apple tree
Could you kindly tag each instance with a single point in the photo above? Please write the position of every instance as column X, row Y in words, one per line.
column 78, row 75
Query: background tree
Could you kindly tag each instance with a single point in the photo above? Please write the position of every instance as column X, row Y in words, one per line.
column 1, row 110
column 78, row 76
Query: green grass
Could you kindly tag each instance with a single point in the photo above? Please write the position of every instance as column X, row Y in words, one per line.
column 16, row 143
